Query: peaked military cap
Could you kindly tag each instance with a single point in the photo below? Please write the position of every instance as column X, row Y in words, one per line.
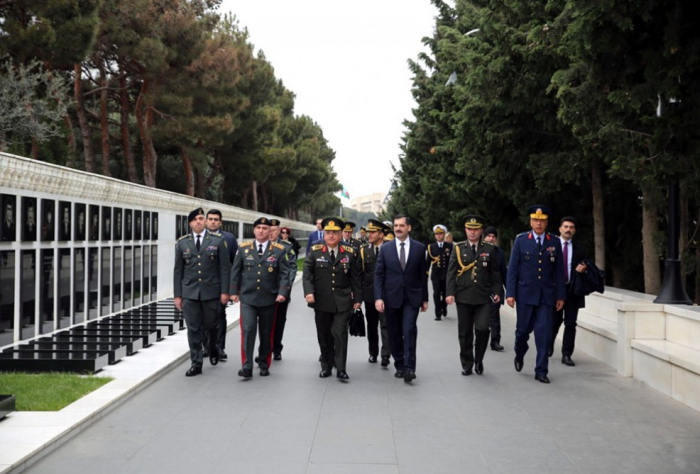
column 193, row 215
column 373, row 225
column 388, row 234
column 538, row 211
column 332, row 223
column 262, row 221
column 275, row 222
column 473, row 221
column 439, row 229
column 349, row 226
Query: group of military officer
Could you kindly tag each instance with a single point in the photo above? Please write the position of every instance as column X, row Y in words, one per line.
column 339, row 277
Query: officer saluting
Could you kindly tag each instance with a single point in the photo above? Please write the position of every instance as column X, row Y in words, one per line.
column 259, row 279
column 332, row 287
column 438, row 254
column 473, row 281
column 200, row 284
column 536, row 283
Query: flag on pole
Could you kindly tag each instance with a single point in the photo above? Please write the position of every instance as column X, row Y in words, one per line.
column 345, row 193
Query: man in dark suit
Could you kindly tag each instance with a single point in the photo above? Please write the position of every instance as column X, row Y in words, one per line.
column 200, row 284
column 214, row 223
column 315, row 236
column 437, row 258
column 491, row 236
column 259, row 280
column 573, row 254
column 401, row 291
column 536, row 283
column 473, row 282
column 369, row 252
column 332, row 287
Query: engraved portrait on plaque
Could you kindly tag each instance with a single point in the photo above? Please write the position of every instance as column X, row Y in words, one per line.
column 94, row 222
column 80, row 223
column 8, row 229
column 127, row 220
column 137, row 225
column 146, row 225
column 48, row 220
column 106, row 223
column 117, row 219
column 178, row 225
column 29, row 219
column 64, row 215
column 154, row 227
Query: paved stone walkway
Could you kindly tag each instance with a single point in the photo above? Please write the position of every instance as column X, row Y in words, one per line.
column 588, row 420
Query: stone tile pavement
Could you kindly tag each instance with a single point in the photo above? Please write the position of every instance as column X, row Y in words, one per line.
column 588, row 420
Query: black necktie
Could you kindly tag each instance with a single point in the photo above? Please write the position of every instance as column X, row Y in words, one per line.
column 539, row 243
column 474, row 249
column 376, row 251
column 260, row 250
column 199, row 244
column 402, row 256
column 332, row 256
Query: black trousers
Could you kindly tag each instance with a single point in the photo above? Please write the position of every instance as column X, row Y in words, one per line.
column 439, row 295
column 495, row 323
column 376, row 320
column 332, row 333
column 280, row 322
column 200, row 316
column 472, row 318
column 218, row 333
column 568, row 315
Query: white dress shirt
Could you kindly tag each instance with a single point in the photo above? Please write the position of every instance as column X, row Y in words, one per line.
column 407, row 247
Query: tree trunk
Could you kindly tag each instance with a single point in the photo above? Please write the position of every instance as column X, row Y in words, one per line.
column 254, row 189
column 126, row 135
column 189, row 177
column 144, row 118
column 82, row 119
column 72, row 145
column 104, row 124
column 683, row 243
column 35, row 149
column 650, row 225
column 200, row 184
column 598, row 212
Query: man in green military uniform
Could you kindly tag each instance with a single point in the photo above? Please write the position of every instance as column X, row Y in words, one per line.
column 281, row 311
column 347, row 237
column 259, row 280
column 332, row 287
column 200, row 284
column 363, row 235
column 473, row 282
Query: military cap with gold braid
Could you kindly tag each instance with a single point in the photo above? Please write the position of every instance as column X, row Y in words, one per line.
column 349, row 226
column 538, row 211
column 262, row 221
column 473, row 221
column 439, row 229
column 373, row 225
column 332, row 223
column 275, row 222
column 193, row 215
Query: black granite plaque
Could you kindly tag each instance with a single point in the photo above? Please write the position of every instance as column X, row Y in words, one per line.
column 64, row 217
column 185, row 226
column 137, row 275
column 94, row 233
column 154, row 271
column 8, row 229
column 7, row 296
column 27, row 294
column 48, row 220
column 80, row 222
column 146, row 225
column 178, row 227
column 29, row 219
column 93, row 271
column 79, row 286
column 106, row 281
column 106, row 223
column 46, row 297
column 128, row 224
column 137, row 225
column 154, row 226
column 118, row 223
column 146, row 287
column 117, row 276
column 128, row 276
column 64, row 296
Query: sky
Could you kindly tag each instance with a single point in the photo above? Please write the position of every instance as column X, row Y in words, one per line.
column 347, row 63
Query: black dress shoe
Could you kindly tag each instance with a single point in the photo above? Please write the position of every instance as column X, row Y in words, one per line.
column 320, row 358
column 222, row 354
column 479, row 367
column 245, row 373
column 542, row 378
column 550, row 352
column 264, row 371
column 257, row 359
column 518, row 364
column 192, row 371
column 342, row 375
column 372, row 359
column 409, row 376
column 566, row 360
column 497, row 347
column 438, row 318
column 399, row 374
column 205, row 352
column 214, row 357
column 325, row 373
column 385, row 362
column 466, row 371
column 277, row 356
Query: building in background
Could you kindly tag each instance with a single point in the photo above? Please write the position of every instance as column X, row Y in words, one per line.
column 370, row 203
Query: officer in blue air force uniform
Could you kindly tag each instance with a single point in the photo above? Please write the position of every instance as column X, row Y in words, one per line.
column 537, row 285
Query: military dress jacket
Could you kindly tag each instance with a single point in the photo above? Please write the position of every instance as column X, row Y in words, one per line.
column 535, row 272
column 474, row 278
column 438, row 259
column 201, row 274
column 336, row 286
column 368, row 261
column 258, row 279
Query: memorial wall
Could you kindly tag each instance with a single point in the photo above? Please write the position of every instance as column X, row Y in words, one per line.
column 76, row 246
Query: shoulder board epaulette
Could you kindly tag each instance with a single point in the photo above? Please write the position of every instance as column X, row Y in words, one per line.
column 277, row 245
column 460, row 243
column 483, row 242
column 317, row 247
column 348, row 248
column 521, row 234
column 215, row 234
column 285, row 243
column 183, row 237
column 248, row 243
column 365, row 245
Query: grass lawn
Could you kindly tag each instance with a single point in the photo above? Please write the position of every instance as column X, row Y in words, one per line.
column 300, row 264
column 47, row 392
